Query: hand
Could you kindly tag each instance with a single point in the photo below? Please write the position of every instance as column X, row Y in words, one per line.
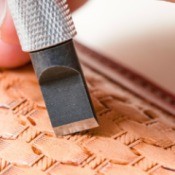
column 11, row 54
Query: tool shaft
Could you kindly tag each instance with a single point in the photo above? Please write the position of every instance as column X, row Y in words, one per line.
column 41, row 23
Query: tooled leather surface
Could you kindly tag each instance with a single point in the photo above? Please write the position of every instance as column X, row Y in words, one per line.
column 134, row 137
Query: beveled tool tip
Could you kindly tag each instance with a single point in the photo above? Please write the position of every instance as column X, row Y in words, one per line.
column 64, row 89
column 76, row 127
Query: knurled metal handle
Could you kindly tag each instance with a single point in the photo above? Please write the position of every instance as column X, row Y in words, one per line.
column 41, row 23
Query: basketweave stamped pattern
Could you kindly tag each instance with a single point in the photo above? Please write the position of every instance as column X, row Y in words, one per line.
column 134, row 137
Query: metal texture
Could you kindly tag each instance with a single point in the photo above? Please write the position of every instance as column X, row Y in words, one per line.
column 64, row 89
column 41, row 23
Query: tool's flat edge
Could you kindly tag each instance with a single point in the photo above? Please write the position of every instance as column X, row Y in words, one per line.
column 76, row 127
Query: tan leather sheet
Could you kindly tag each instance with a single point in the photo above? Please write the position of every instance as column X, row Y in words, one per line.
column 134, row 137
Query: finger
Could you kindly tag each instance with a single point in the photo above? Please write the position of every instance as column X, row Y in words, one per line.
column 75, row 4
column 8, row 32
column 12, row 56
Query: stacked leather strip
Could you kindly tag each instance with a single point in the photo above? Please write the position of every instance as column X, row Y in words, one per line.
column 134, row 137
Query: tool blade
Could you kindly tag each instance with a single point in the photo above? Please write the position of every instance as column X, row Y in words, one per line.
column 64, row 89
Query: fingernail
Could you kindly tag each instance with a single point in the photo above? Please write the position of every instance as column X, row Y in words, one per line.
column 3, row 10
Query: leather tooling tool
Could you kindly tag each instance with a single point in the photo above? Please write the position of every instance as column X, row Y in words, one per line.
column 45, row 29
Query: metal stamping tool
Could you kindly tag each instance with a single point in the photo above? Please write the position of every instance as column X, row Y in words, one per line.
column 45, row 29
